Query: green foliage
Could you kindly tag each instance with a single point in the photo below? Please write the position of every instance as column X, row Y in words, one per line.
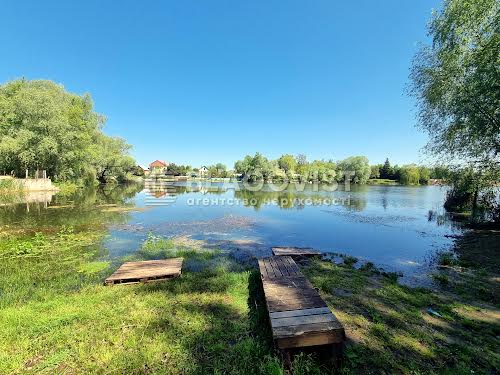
column 137, row 171
column 424, row 175
column 359, row 165
column 375, row 171
column 218, row 170
column 110, row 159
column 287, row 163
column 409, row 174
column 10, row 190
column 472, row 190
column 259, row 168
column 386, row 171
column 321, row 171
column 456, row 81
column 440, row 172
column 178, row 170
column 42, row 126
column 456, row 84
column 255, row 168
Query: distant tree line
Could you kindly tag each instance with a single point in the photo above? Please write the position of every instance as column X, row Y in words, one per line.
column 178, row 170
column 298, row 168
column 218, row 170
column 44, row 127
column 410, row 174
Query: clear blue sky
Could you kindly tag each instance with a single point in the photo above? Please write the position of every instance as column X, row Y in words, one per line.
column 199, row 82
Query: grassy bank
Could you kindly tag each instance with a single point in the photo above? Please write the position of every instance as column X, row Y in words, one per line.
column 57, row 317
column 382, row 181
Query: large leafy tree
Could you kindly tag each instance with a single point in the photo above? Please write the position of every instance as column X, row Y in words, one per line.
column 456, row 82
column 110, row 158
column 255, row 167
column 42, row 126
column 218, row 170
column 359, row 165
column 287, row 163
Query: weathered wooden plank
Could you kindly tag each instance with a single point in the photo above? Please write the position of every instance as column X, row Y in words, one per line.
column 281, row 332
column 304, row 312
column 291, row 294
column 311, row 339
column 281, row 265
column 287, row 305
column 145, row 271
column 294, row 251
column 269, row 268
column 262, row 268
column 289, row 282
column 299, row 316
column 294, row 269
column 301, row 320
column 276, row 269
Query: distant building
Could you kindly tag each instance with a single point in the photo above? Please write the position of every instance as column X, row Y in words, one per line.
column 158, row 167
column 202, row 172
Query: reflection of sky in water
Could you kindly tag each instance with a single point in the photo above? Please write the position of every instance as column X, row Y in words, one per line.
column 385, row 224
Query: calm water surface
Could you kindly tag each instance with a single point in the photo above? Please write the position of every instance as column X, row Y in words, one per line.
column 397, row 227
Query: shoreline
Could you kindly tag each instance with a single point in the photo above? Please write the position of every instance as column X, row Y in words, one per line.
column 218, row 303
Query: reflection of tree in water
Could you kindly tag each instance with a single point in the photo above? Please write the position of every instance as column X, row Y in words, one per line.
column 159, row 189
column 101, row 194
column 444, row 218
column 356, row 204
column 290, row 199
column 81, row 210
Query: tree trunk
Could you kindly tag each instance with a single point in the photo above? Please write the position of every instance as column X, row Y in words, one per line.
column 474, row 203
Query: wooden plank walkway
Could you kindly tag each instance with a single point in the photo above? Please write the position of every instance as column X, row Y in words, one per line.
column 299, row 316
column 294, row 251
column 146, row 271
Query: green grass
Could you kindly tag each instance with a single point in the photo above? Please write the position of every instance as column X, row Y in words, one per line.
column 392, row 332
column 382, row 181
column 57, row 317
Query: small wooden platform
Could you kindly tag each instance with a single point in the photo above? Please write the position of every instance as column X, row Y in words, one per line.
column 295, row 251
column 146, row 271
column 299, row 316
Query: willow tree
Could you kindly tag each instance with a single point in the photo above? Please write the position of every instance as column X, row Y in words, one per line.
column 456, row 83
column 43, row 126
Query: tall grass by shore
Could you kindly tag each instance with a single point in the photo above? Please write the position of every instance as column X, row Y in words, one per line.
column 10, row 190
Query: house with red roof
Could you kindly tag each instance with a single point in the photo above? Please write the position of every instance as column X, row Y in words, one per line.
column 158, row 167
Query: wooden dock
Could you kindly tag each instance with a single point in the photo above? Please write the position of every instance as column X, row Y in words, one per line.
column 295, row 251
column 146, row 271
column 299, row 316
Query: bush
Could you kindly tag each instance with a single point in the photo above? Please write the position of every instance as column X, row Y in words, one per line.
column 458, row 200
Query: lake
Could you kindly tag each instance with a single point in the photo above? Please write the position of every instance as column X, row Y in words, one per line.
column 397, row 227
